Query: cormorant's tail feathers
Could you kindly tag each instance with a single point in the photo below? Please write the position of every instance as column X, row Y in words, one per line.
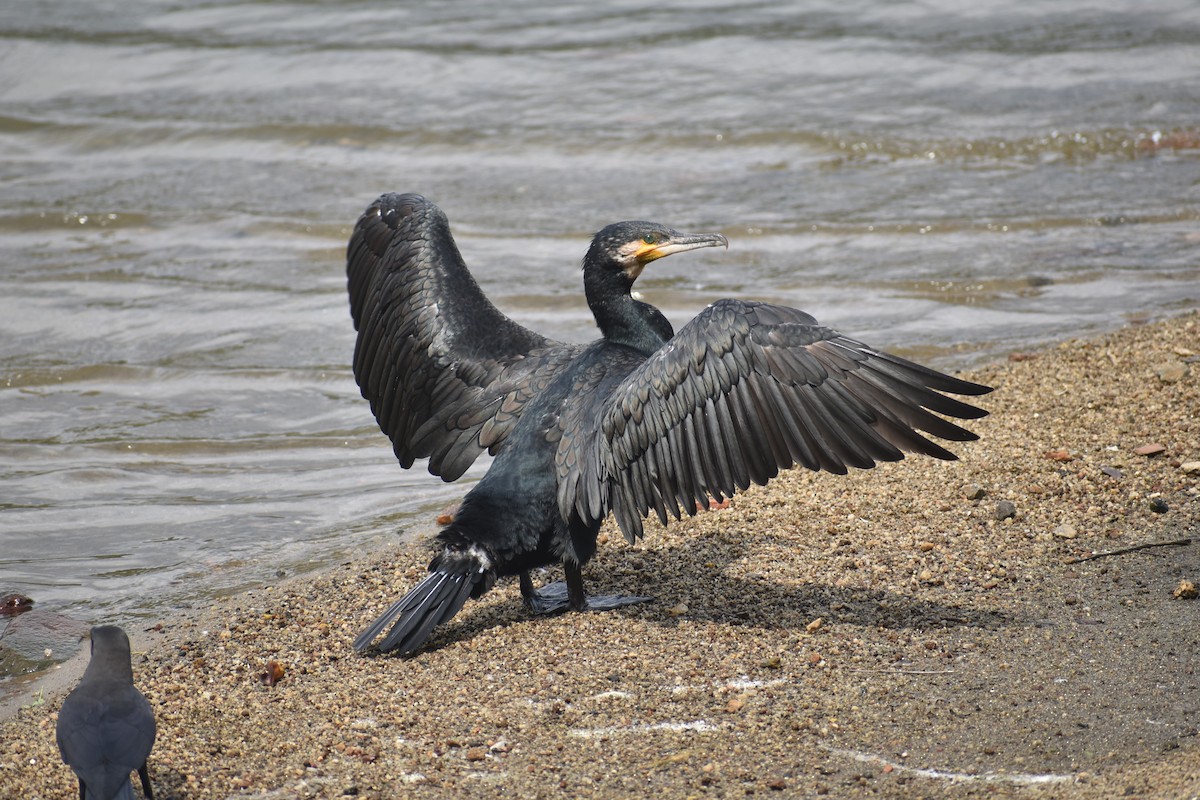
column 453, row 577
column 364, row 639
column 444, row 597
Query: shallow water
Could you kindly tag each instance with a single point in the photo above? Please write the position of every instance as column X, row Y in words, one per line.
column 177, row 413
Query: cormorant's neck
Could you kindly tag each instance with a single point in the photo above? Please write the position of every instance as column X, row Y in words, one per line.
column 621, row 319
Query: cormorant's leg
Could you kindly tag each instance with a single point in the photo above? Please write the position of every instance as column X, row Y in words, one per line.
column 551, row 599
column 535, row 601
column 576, row 597
column 559, row 596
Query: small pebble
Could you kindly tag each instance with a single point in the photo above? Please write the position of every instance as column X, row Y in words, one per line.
column 274, row 673
column 1065, row 531
column 1159, row 506
column 1172, row 372
column 976, row 492
column 1186, row 590
column 1005, row 509
column 1190, row 467
column 1149, row 449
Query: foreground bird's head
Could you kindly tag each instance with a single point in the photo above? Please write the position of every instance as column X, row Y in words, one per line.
column 627, row 247
column 110, row 655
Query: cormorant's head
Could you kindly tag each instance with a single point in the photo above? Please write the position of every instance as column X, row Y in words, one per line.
column 630, row 246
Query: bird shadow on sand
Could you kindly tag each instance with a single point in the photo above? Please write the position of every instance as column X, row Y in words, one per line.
column 690, row 581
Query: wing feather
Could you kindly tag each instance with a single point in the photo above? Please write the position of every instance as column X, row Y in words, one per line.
column 733, row 450
column 742, row 391
column 447, row 374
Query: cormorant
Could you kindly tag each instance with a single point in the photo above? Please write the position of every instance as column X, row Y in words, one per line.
column 106, row 727
column 642, row 419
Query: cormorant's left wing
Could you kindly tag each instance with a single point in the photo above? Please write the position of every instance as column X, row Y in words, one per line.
column 742, row 391
column 446, row 372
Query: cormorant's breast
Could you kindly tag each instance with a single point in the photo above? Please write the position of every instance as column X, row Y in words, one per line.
column 525, row 465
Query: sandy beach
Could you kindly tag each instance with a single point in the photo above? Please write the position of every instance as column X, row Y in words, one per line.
column 923, row 629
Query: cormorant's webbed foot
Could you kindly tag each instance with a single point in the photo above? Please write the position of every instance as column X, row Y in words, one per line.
column 554, row 598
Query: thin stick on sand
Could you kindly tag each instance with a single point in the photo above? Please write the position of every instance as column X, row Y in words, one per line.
column 1123, row 550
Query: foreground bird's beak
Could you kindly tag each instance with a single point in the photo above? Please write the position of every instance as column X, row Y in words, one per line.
column 679, row 243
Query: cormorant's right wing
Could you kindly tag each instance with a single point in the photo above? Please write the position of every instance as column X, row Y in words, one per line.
column 743, row 390
column 447, row 374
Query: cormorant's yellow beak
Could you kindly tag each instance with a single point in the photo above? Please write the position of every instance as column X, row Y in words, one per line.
column 676, row 243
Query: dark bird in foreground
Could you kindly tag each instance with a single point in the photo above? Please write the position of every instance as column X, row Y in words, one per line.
column 643, row 419
column 105, row 727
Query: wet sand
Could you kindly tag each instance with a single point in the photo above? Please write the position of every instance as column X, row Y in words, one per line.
column 923, row 629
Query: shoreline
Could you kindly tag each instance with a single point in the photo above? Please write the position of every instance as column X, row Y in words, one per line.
column 890, row 631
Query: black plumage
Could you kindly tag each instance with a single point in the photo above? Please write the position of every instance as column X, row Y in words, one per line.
column 106, row 727
column 643, row 419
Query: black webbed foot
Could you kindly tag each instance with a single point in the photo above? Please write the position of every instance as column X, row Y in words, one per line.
column 553, row 599
column 560, row 596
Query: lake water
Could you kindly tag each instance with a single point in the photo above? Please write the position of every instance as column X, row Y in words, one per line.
column 177, row 413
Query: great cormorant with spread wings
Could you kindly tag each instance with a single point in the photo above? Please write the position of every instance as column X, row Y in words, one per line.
column 643, row 419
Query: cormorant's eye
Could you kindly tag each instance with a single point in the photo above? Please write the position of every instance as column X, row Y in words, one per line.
column 650, row 238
